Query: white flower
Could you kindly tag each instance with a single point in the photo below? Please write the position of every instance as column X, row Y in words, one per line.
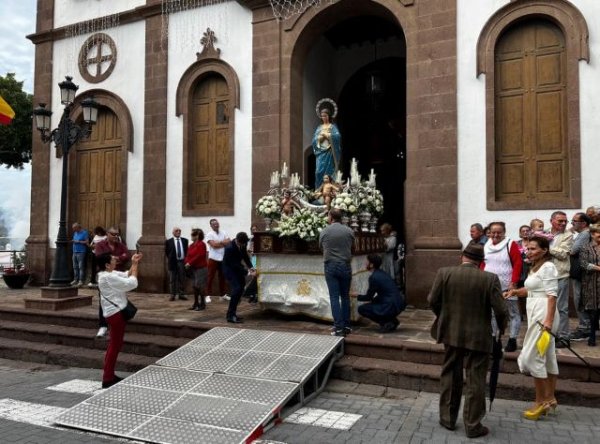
column 347, row 201
column 352, row 208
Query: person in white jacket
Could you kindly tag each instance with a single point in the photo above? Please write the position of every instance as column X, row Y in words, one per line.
column 113, row 286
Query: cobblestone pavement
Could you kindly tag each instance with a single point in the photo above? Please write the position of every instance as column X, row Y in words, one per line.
column 346, row 413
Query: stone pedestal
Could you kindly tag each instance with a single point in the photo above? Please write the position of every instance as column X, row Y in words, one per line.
column 58, row 298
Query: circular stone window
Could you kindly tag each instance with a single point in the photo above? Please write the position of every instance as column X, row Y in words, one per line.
column 97, row 58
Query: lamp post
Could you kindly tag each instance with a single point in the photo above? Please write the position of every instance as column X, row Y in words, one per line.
column 65, row 136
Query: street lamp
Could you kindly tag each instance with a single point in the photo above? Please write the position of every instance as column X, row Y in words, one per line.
column 65, row 136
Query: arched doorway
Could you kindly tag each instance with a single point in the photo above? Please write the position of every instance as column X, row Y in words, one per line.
column 96, row 175
column 360, row 62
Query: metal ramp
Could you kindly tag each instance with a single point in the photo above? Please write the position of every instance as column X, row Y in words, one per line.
column 226, row 386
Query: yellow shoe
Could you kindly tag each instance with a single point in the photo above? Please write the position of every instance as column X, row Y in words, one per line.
column 535, row 413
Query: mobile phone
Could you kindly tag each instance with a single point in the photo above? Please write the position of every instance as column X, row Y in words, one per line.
column 137, row 247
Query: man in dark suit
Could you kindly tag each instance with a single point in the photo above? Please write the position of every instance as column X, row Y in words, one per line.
column 385, row 301
column 175, row 251
column 462, row 298
column 235, row 273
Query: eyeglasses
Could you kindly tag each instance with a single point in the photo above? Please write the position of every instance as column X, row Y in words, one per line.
column 113, row 234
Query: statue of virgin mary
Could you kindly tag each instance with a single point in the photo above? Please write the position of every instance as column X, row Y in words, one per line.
column 326, row 142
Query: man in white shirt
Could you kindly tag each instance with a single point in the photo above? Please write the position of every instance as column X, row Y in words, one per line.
column 217, row 240
column 560, row 250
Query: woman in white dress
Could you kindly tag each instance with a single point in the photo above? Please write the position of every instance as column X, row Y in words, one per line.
column 540, row 289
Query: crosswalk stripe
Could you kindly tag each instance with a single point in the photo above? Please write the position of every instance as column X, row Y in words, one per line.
column 81, row 386
column 323, row 418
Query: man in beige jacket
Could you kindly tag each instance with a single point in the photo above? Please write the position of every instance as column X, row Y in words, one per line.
column 560, row 249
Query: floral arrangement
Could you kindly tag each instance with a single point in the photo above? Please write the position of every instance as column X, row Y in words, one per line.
column 269, row 206
column 345, row 202
column 303, row 224
column 371, row 200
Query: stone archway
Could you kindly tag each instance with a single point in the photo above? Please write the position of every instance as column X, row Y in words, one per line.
column 431, row 190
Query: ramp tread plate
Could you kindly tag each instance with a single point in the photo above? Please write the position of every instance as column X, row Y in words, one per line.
column 260, row 391
column 173, row 379
column 215, row 337
column 312, row 346
column 164, row 430
column 135, row 399
column 290, row 368
column 217, row 360
column 100, row 419
column 218, row 412
column 183, row 356
column 252, row 363
column 278, row 342
column 247, row 339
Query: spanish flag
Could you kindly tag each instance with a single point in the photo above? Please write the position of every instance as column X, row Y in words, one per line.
column 6, row 112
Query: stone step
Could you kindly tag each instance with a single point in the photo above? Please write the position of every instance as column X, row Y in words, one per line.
column 140, row 324
column 426, row 377
column 136, row 343
column 64, row 355
column 393, row 349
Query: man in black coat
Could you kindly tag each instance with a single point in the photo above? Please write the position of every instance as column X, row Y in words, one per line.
column 385, row 300
column 235, row 273
column 175, row 251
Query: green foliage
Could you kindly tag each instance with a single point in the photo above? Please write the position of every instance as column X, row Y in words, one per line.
column 15, row 139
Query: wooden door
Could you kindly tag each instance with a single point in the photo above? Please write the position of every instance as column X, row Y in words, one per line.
column 209, row 167
column 531, row 113
column 98, row 174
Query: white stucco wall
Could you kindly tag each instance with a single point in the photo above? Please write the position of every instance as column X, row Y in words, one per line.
column 126, row 82
column 232, row 25
column 73, row 11
column 471, row 17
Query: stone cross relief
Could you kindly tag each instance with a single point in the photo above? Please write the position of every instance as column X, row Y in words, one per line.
column 208, row 42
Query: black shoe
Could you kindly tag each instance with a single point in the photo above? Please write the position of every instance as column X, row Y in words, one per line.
column 592, row 340
column 339, row 332
column 194, row 307
column 388, row 327
column 579, row 335
column 107, row 384
column 447, row 426
column 511, row 345
column 201, row 307
column 479, row 432
column 183, row 297
column 235, row 320
column 172, row 298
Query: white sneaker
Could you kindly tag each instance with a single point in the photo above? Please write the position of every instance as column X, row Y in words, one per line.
column 80, row 284
column 102, row 332
column 91, row 285
column 207, row 299
column 226, row 297
column 73, row 283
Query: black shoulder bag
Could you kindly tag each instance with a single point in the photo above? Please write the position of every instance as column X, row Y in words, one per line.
column 128, row 312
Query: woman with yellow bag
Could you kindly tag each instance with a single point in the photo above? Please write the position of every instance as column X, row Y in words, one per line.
column 538, row 356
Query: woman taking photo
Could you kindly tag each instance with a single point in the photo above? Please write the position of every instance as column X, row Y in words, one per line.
column 195, row 260
column 589, row 258
column 540, row 289
column 112, row 286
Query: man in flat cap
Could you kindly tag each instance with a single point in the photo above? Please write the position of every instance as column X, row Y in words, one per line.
column 462, row 298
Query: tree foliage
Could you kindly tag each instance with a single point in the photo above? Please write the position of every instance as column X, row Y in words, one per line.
column 15, row 139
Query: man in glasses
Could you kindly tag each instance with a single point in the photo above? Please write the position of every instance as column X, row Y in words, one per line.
column 581, row 235
column 117, row 248
column 560, row 250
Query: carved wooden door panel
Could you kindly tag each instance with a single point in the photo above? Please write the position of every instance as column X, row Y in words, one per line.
column 209, row 163
column 97, row 174
column 531, row 113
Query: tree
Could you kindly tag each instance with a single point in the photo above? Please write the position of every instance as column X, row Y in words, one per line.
column 15, row 139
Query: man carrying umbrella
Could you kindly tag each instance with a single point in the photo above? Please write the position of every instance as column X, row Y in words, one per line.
column 462, row 298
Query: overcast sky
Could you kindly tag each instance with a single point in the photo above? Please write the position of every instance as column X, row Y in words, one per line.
column 16, row 55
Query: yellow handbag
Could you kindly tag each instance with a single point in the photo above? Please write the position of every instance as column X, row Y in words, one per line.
column 543, row 342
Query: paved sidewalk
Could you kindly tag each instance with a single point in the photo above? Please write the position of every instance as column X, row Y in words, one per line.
column 380, row 416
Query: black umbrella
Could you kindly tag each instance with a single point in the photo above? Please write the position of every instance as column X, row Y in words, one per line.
column 497, row 354
column 567, row 344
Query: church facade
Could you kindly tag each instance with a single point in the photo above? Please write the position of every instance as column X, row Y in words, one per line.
column 468, row 111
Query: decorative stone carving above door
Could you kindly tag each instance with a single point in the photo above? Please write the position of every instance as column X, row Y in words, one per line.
column 97, row 58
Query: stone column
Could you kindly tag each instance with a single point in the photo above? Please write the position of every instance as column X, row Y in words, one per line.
column 152, row 272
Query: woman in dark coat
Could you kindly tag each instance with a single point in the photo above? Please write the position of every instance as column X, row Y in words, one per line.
column 590, row 280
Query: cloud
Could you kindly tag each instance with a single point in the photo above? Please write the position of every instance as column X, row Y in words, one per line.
column 15, row 198
column 16, row 51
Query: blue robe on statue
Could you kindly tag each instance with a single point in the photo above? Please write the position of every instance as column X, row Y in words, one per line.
column 327, row 147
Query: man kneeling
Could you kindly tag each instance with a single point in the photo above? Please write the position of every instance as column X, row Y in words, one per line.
column 385, row 300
